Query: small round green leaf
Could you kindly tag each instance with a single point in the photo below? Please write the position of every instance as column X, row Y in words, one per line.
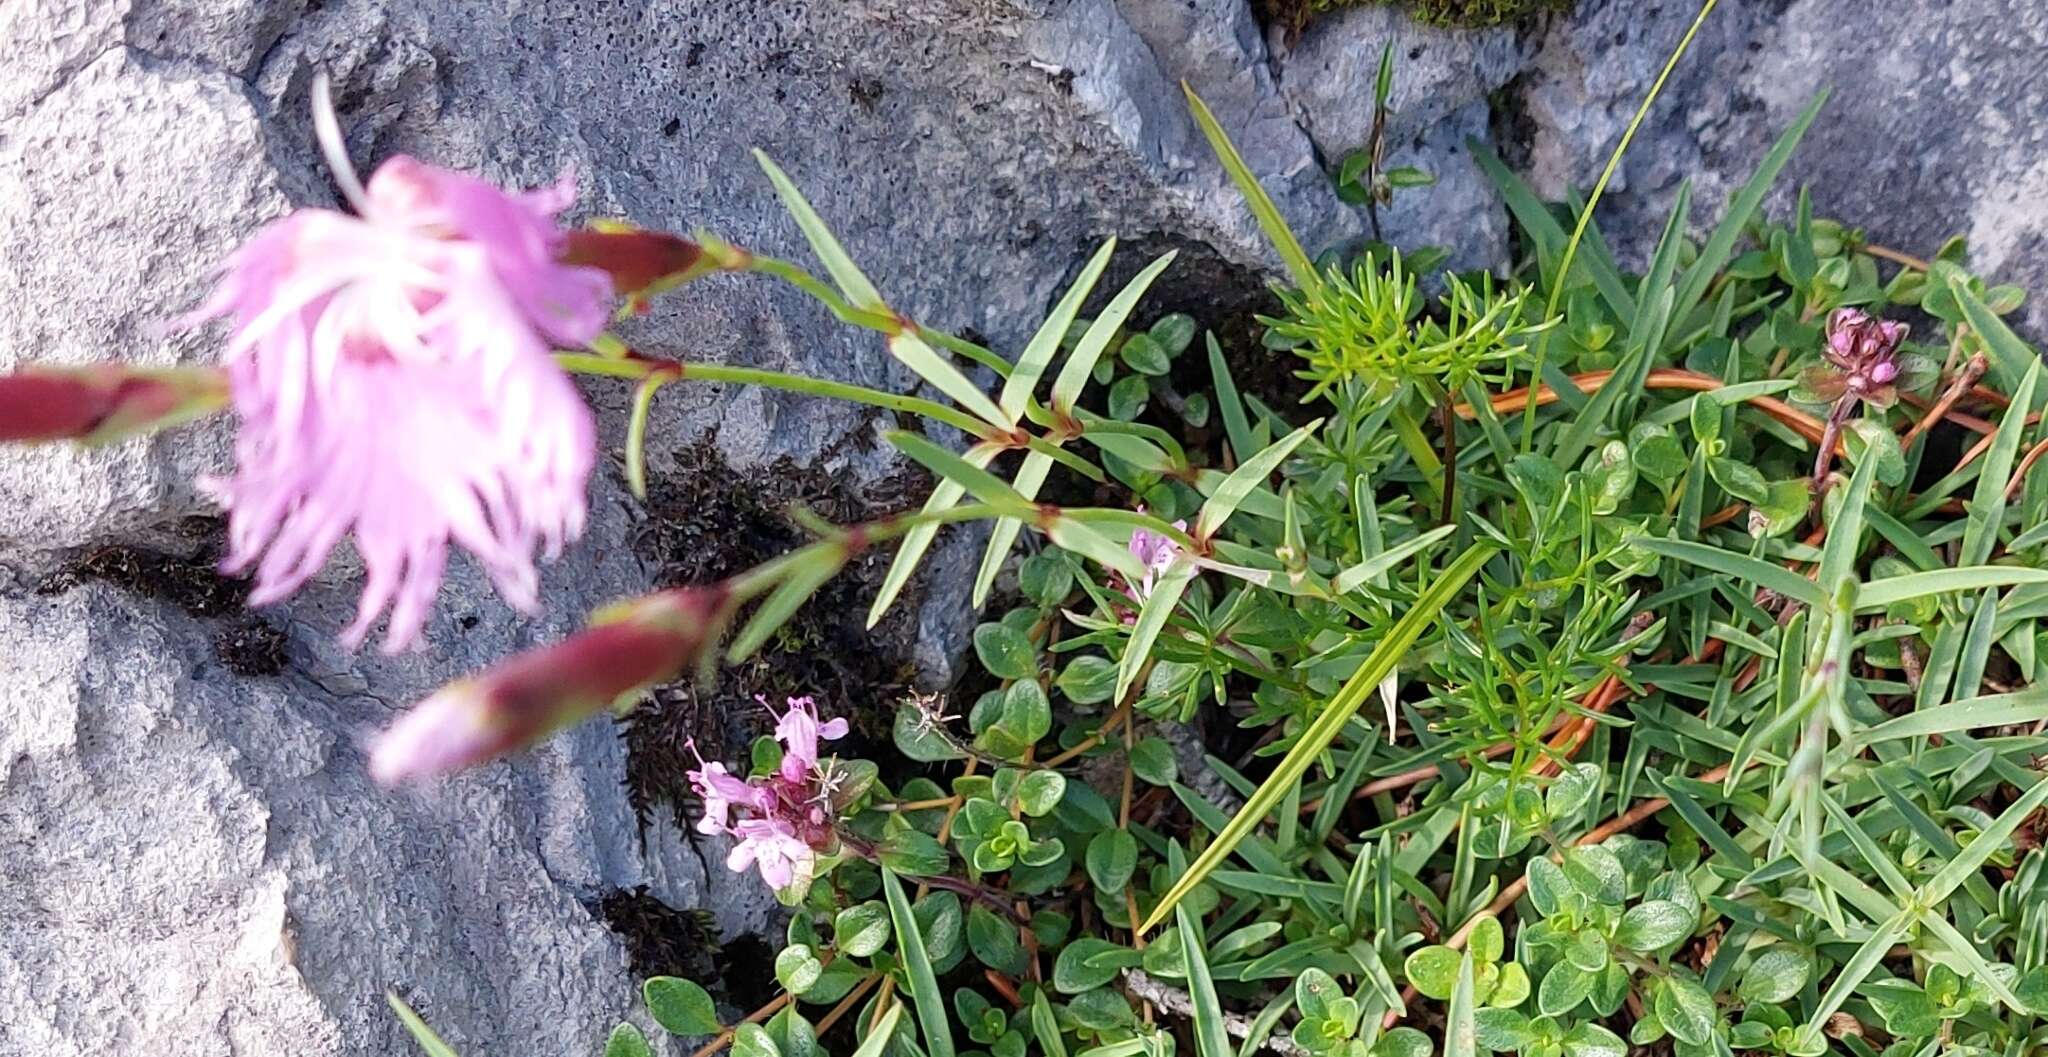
column 1775, row 976
column 1005, row 652
column 1112, row 858
column 862, row 929
column 1654, row 925
column 680, row 1006
column 1152, row 760
column 626, row 1041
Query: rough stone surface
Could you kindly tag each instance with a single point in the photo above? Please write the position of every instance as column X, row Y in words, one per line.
column 195, row 863
column 1439, row 100
column 1926, row 134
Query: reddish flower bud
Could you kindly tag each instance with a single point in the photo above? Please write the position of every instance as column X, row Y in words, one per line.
column 638, row 644
column 104, row 401
column 639, row 262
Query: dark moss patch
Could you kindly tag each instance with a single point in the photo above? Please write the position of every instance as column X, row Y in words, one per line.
column 1295, row 15
column 245, row 644
column 661, row 940
column 713, row 522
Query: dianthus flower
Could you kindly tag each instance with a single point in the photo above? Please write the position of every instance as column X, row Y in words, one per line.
column 393, row 377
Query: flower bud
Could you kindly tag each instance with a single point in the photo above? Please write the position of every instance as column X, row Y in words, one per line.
column 103, row 402
column 536, row 693
column 638, row 262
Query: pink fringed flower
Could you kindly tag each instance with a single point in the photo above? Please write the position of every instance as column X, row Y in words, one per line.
column 790, row 813
column 393, row 377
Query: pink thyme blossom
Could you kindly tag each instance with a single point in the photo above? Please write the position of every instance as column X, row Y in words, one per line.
column 1156, row 551
column 721, row 791
column 771, row 844
column 799, row 730
column 789, row 814
column 393, row 377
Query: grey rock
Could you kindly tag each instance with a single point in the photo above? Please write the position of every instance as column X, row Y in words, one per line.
column 1923, row 136
column 1128, row 61
column 1442, row 80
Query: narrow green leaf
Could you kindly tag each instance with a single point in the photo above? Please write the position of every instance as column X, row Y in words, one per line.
column 1249, row 475
column 421, row 1033
column 1235, row 425
column 2011, row 359
column 1038, row 352
column 924, row 986
column 1987, row 504
column 800, row 584
column 1030, row 478
column 1741, row 566
column 1351, row 579
column 918, row 540
column 1324, row 729
column 1856, row 970
column 1073, row 376
column 1958, row 869
column 1211, row 1040
column 966, row 472
column 636, row 435
column 1152, row 617
column 845, row 274
column 884, row 1030
column 1993, row 710
column 1461, row 1023
column 1892, row 590
column 943, row 376
column 1255, row 196
column 1735, row 219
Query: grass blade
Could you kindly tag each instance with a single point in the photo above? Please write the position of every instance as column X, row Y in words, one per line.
column 1211, row 1040
column 1893, row 589
column 1958, row 869
column 1461, row 1021
column 943, row 376
column 1351, row 579
column 924, row 986
column 1255, row 196
column 1987, row 504
column 1249, row 475
column 884, row 1029
column 1152, row 617
column 1324, row 730
column 1721, row 244
column 421, row 1033
column 1073, row 376
column 1030, row 477
column 1993, row 710
column 2011, row 359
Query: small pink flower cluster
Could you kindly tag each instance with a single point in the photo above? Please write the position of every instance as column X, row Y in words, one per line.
column 1865, row 348
column 1156, row 552
column 789, row 814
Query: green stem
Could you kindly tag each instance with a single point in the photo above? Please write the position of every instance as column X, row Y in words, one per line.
column 1571, row 248
column 641, row 367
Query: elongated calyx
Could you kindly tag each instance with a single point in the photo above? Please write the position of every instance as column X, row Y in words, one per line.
column 101, row 402
column 507, row 708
